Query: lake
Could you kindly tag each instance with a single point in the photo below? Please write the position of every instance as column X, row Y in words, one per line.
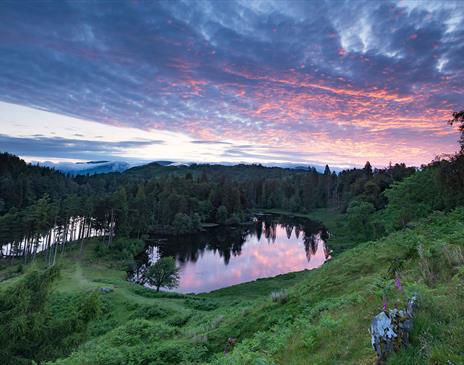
column 225, row 256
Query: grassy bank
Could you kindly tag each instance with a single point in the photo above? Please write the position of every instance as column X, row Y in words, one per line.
column 325, row 319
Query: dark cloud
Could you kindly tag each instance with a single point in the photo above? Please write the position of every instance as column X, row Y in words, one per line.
column 67, row 148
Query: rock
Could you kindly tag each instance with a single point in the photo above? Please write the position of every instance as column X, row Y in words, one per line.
column 230, row 344
column 390, row 330
column 106, row 290
column 382, row 335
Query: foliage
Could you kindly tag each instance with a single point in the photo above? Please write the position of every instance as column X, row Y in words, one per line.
column 325, row 317
column 182, row 224
column 359, row 219
column 326, row 311
column 416, row 197
column 201, row 304
column 458, row 118
column 38, row 202
column 121, row 252
column 163, row 273
column 150, row 312
column 221, row 214
column 34, row 327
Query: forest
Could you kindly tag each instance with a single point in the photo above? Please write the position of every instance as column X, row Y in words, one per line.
column 37, row 203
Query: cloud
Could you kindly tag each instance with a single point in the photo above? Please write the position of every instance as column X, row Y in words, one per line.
column 210, row 142
column 68, row 148
column 333, row 80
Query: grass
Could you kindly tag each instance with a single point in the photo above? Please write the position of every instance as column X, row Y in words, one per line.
column 324, row 319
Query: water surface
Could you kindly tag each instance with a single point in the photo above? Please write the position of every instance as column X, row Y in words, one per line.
column 222, row 257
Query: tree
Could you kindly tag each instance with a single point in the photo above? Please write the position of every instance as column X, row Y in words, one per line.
column 122, row 212
column 182, row 224
column 164, row 273
column 368, row 169
column 359, row 219
column 221, row 214
column 416, row 197
column 458, row 117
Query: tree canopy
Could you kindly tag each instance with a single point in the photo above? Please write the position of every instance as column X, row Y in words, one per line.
column 164, row 273
column 458, row 118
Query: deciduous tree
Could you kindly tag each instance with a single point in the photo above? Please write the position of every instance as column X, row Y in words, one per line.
column 163, row 273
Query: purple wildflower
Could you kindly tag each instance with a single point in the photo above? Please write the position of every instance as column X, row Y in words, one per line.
column 385, row 303
column 398, row 282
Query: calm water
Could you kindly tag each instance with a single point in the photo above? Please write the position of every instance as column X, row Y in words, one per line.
column 222, row 257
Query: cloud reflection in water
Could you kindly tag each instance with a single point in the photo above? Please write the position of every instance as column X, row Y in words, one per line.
column 223, row 258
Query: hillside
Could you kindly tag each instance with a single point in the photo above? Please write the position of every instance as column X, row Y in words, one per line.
column 325, row 320
column 235, row 172
column 84, row 311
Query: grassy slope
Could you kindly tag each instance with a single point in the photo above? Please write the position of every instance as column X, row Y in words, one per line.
column 327, row 317
column 325, row 320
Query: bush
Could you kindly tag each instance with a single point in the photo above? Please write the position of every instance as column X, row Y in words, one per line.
column 122, row 250
column 234, row 219
column 149, row 312
column 201, row 304
column 179, row 320
column 150, row 293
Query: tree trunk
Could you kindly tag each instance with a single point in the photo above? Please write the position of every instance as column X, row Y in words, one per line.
column 89, row 228
column 57, row 242
column 111, row 228
column 26, row 243
column 65, row 235
column 49, row 245
column 81, row 233
column 71, row 236
column 36, row 245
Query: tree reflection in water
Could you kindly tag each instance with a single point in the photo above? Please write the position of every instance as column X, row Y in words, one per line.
column 226, row 256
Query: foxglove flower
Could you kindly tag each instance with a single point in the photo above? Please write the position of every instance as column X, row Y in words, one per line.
column 398, row 282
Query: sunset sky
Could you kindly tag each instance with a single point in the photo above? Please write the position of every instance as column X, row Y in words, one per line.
column 312, row 82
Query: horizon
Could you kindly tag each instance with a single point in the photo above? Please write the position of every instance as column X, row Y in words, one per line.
column 231, row 82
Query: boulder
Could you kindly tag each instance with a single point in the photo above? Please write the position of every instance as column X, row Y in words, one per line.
column 390, row 330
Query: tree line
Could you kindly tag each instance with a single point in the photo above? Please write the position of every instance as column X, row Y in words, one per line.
column 41, row 206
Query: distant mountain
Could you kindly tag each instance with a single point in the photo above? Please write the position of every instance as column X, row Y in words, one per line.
column 300, row 166
column 213, row 170
column 156, row 167
column 90, row 167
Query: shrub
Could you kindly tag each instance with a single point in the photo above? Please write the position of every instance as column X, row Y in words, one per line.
column 179, row 320
column 216, row 321
column 201, row 304
column 234, row 219
column 121, row 251
column 149, row 312
column 150, row 293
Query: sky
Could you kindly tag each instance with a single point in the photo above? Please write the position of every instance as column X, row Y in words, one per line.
column 313, row 82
